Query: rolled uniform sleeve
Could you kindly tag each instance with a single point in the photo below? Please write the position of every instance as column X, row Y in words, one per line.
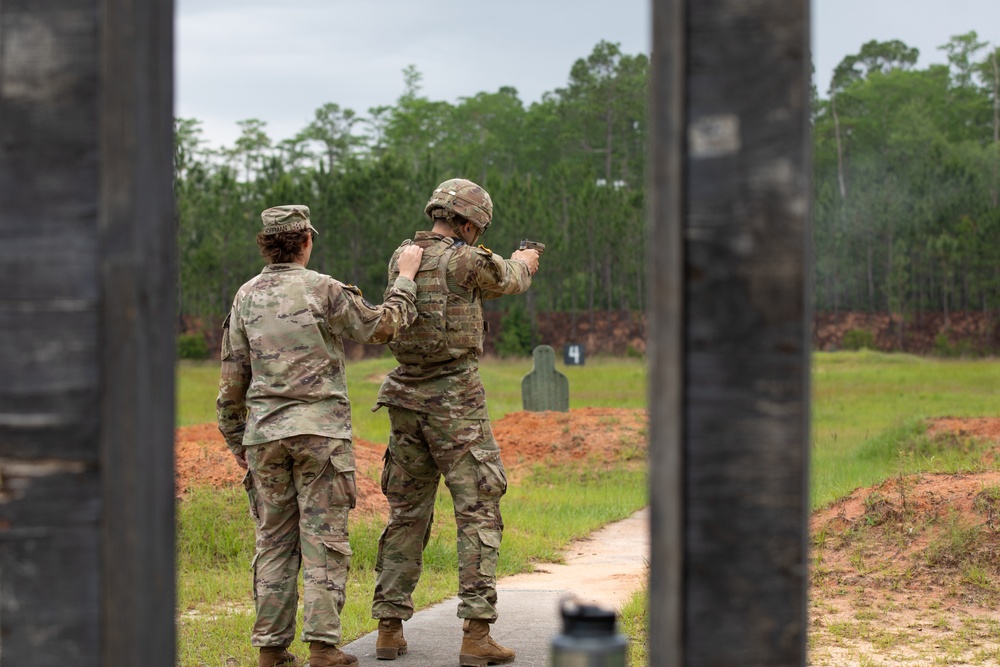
column 234, row 380
column 352, row 316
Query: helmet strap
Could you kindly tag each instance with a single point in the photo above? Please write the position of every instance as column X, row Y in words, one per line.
column 475, row 238
column 457, row 223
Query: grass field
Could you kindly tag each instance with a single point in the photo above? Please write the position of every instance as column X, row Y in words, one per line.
column 867, row 409
column 858, row 398
column 867, row 412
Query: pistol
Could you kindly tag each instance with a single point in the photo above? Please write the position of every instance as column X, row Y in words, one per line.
column 532, row 245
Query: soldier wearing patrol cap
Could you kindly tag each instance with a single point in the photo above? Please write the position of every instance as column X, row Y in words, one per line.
column 437, row 410
column 284, row 412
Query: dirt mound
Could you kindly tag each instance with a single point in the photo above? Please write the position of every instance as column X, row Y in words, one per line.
column 986, row 428
column 599, row 434
column 918, row 526
column 525, row 438
column 910, row 567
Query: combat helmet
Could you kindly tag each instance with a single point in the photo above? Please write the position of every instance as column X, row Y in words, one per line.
column 462, row 198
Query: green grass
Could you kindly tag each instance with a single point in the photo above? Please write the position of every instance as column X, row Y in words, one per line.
column 632, row 622
column 867, row 407
column 197, row 387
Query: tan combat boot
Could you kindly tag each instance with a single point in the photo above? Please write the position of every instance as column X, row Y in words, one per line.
column 478, row 648
column 390, row 643
column 275, row 656
column 328, row 655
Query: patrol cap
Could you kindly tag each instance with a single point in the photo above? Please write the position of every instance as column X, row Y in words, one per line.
column 288, row 218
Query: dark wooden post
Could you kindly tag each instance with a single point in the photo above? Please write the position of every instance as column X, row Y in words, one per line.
column 86, row 333
column 729, row 387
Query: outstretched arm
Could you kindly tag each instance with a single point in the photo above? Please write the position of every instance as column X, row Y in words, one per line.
column 496, row 276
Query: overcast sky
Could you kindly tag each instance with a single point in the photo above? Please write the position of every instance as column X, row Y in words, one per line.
column 280, row 61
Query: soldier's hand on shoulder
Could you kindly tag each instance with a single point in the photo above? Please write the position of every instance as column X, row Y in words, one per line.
column 529, row 257
column 409, row 261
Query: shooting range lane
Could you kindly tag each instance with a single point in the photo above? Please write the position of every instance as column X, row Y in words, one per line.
column 604, row 568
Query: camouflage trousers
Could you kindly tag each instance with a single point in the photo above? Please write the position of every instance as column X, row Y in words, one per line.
column 300, row 491
column 421, row 449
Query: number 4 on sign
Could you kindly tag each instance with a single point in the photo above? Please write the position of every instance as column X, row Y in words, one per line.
column 573, row 354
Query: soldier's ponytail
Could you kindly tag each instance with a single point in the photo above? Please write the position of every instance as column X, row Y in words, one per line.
column 283, row 247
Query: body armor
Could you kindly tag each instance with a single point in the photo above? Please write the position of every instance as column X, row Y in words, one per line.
column 449, row 320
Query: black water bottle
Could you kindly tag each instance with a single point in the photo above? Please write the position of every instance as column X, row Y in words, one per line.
column 589, row 638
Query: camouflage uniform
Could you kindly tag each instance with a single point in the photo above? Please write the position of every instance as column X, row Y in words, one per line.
column 437, row 409
column 283, row 403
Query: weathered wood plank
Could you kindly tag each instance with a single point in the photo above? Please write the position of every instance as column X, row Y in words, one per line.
column 48, row 177
column 665, row 315
column 86, row 333
column 49, row 332
column 137, row 232
column 730, row 395
column 41, row 623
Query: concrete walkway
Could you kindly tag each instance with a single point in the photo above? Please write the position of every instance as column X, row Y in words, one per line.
column 604, row 568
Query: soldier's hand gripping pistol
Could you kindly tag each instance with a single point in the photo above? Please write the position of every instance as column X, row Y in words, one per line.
column 531, row 259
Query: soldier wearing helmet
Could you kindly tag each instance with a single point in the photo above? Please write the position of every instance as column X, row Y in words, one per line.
column 284, row 412
column 437, row 410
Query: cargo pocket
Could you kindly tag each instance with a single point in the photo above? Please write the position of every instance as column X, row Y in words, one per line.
column 345, row 491
column 252, row 497
column 399, row 484
column 490, row 474
column 338, row 562
column 489, row 551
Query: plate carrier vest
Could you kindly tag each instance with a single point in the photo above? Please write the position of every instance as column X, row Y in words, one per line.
column 449, row 319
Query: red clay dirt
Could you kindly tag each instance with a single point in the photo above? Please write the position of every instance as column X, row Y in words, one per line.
column 907, row 571
column 525, row 438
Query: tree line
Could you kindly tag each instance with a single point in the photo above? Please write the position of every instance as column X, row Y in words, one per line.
column 568, row 171
column 905, row 173
column 907, row 191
